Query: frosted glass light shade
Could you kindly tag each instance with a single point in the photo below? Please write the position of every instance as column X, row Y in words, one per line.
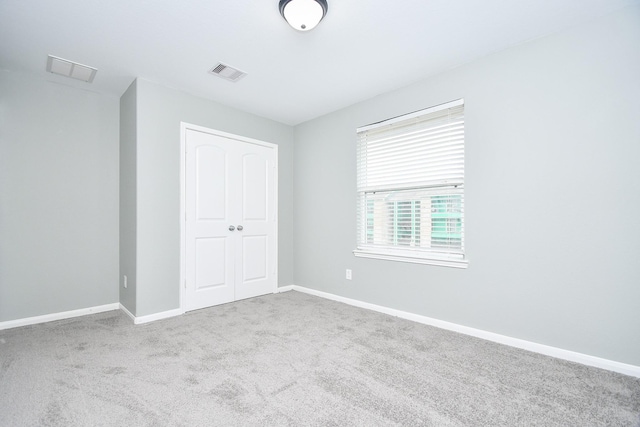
column 303, row 15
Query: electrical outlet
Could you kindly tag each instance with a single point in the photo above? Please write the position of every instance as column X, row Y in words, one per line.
column 348, row 274
column 125, row 281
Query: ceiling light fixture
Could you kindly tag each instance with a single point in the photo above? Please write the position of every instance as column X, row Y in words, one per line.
column 303, row 15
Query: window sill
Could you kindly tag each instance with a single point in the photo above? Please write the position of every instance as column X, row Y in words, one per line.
column 442, row 262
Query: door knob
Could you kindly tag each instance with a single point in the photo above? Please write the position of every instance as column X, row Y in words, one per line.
column 231, row 228
column 240, row 228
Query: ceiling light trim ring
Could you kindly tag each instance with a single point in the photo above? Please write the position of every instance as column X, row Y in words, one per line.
column 300, row 16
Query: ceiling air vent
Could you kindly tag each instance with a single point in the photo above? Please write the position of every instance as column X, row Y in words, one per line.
column 227, row 73
column 67, row 68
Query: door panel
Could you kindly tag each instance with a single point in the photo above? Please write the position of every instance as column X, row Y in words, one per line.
column 211, row 259
column 254, row 249
column 255, row 182
column 211, row 182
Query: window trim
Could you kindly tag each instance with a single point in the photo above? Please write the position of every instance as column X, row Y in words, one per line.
column 402, row 256
column 444, row 259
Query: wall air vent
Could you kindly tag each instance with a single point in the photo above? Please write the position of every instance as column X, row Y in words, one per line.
column 227, row 72
column 71, row 69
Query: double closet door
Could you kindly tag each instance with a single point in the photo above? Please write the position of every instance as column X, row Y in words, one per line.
column 231, row 218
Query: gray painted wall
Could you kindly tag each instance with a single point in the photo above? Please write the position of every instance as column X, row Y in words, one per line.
column 128, row 211
column 58, row 197
column 552, row 195
column 159, row 113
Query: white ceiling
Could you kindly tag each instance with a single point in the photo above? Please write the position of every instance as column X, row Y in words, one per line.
column 361, row 49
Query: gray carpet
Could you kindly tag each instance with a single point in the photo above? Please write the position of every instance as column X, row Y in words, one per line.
column 292, row 360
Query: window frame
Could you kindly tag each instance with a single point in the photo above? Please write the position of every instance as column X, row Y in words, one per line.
column 365, row 248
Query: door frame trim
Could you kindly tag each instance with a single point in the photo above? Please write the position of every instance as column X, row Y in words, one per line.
column 184, row 127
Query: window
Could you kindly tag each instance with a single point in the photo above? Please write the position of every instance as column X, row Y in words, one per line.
column 411, row 187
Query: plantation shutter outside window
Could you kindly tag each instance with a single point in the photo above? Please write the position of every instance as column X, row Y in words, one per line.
column 410, row 187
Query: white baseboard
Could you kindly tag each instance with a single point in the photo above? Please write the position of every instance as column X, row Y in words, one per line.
column 138, row 320
column 128, row 313
column 151, row 317
column 85, row 311
column 58, row 316
column 559, row 353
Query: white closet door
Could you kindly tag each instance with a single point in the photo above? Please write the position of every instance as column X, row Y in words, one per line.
column 231, row 229
column 256, row 251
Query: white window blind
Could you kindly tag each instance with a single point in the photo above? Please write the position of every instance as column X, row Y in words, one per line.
column 410, row 187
